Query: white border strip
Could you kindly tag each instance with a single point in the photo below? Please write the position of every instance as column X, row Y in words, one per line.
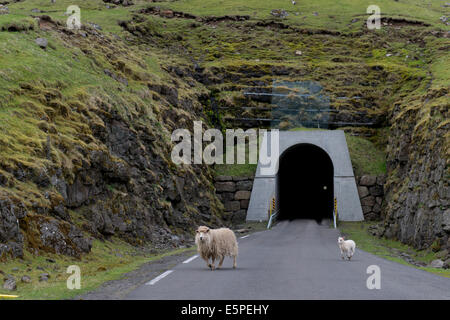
column 163, row 275
column 245, row 236
column 190, row 259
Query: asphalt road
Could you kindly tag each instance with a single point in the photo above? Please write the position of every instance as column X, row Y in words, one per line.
column 293, row 260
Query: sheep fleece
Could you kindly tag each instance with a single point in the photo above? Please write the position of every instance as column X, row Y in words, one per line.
column 222, row 243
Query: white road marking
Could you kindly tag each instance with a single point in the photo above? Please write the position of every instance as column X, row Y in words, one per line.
column 245, row 236
column 163, row 275
column 191, row 258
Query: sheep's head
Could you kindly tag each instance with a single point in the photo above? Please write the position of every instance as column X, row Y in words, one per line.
column 203, row 235
column 340, row 240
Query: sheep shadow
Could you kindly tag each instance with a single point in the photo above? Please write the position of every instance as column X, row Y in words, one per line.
column 227, row 269
column 346, row 260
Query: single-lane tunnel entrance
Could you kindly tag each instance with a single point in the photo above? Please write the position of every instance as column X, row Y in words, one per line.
column 305, row 183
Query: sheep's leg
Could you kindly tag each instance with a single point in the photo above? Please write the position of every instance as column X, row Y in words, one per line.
column 350, row 254
column 342, row 254
column 207, row 262
column 212, row 266
column 234, row 262
column 220, row 262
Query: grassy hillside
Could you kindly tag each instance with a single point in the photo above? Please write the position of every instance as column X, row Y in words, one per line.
column 331, row 15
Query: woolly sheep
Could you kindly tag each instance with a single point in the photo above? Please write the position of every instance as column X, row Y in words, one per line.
column 215, row 244
column 347, row 247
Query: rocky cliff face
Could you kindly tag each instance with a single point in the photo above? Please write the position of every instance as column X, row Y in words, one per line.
column 100, row 166
column 418, row 192
column 127, row 188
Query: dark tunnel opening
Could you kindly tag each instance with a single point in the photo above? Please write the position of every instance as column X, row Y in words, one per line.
column 305, row 184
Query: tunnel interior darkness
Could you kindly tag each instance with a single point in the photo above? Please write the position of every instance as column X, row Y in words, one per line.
column 305, row 183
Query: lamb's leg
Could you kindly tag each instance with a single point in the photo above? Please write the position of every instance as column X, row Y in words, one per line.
column 342, row 254
column 220, row 262
column 234, row 262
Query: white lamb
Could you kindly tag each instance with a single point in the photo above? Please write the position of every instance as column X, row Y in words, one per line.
column 347, row 248
column 215, row 244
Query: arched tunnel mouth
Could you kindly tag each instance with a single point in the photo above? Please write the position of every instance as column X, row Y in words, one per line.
column 305, row 183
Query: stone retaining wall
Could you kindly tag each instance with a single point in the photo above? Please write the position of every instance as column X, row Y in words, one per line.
column 234, row 192
column 371, row 195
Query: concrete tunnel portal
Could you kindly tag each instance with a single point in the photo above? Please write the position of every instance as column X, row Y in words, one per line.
column 313, row 169
column 304, row 183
